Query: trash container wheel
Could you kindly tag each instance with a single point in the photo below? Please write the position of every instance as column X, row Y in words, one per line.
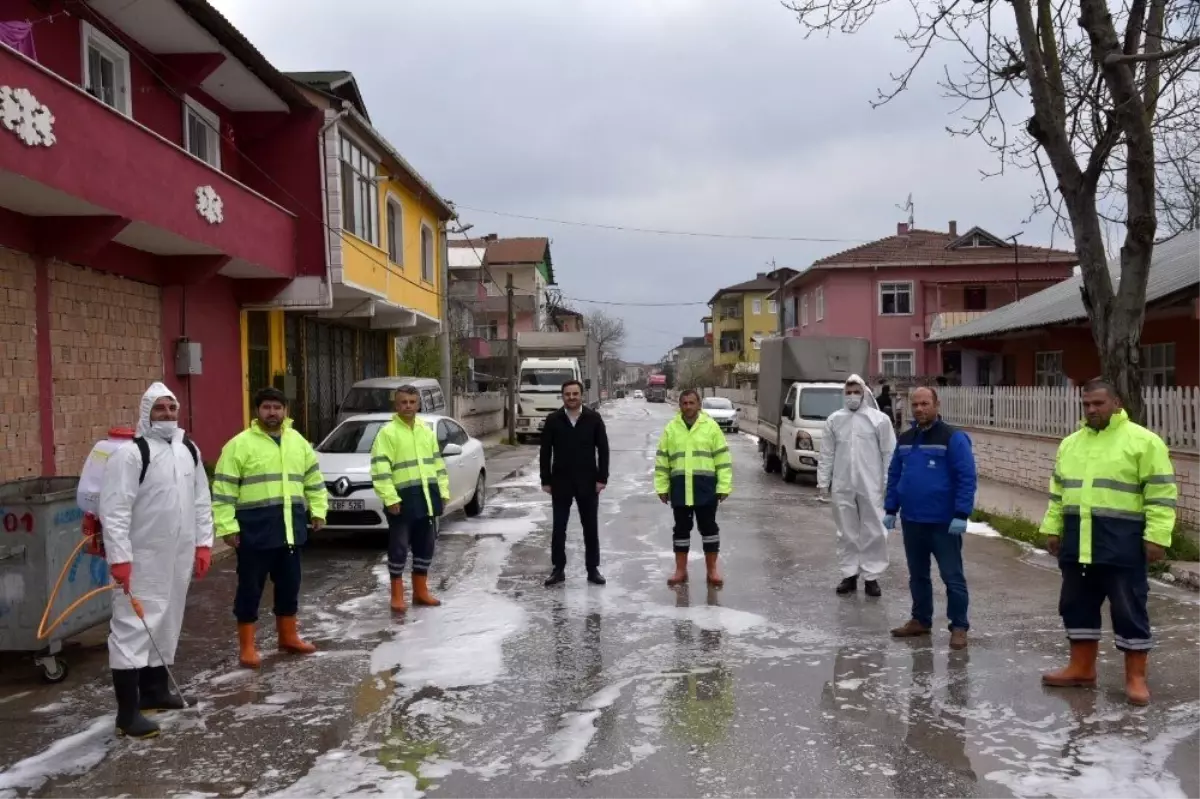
column 54, row 669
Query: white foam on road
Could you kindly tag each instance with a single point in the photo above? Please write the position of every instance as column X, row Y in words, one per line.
column 68, row 756
column 982, row 529
column 341, row 773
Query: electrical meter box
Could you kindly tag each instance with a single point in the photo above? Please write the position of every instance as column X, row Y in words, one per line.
column 188, row 358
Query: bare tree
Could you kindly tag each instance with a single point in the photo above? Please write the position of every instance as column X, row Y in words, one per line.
column 608, row 331
column 1102, row 82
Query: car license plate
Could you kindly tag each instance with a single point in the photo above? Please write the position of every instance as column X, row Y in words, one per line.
column 347, row 504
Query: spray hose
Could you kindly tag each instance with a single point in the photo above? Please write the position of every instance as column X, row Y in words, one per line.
column 43, row 630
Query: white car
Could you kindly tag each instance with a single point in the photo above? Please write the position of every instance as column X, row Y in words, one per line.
column 721, row 410
column 345, row 460
column 638, row 394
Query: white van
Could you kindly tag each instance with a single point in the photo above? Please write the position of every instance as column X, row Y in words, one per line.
column 540, row 391
column 378, row 395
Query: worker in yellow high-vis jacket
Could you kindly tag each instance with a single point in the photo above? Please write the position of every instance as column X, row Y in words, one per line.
column 1112, row 509
column 693, row 473
column 266, row 491
column 409, row 476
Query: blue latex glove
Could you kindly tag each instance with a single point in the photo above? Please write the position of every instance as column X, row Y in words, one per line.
column 958, row 527
column 889, row 521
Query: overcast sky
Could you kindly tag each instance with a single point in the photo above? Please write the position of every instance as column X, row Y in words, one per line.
column 698, row 115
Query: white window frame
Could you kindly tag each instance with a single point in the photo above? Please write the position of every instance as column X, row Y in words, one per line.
column 1038, row 372
column 912, row 362
column 820, row 303
column 803, row 310
column 1166, row 370
column 365, row 155
column 757, row 307
column 772, row 307
column 893, row 284
column 394, row 202
column 431, row 262
column 115, row 53
column 212, row 124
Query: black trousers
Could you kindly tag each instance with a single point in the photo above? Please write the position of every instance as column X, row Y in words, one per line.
column 254, row 566
column 588, row 500
column 1084, row 589
column 404, row 534
column 706, row 520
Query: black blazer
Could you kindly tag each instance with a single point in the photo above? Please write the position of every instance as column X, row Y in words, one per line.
column 574, row 455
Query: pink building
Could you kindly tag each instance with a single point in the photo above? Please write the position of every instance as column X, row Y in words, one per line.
column 900, row 290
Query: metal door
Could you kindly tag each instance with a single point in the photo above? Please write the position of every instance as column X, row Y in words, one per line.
column 258, row 353
column 332, row 368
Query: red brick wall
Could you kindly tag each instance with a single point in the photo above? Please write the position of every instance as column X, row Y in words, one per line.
column 106, row 341
column 20, row 444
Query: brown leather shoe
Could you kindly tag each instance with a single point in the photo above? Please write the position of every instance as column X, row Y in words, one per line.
column 398, row 603
column 1080, row 671
column 910, row 629
column 958, row 638
column 713, row 576
column 681, row 572
column 421, row 595
column 289, row 638
column 247, row 654
column 1136, row 690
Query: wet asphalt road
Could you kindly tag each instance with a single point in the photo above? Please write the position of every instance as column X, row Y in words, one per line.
column 771, row 686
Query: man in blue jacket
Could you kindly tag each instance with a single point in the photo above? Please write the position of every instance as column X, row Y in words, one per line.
column 931, row 485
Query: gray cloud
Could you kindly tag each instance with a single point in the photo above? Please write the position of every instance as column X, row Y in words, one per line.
column 681, row 114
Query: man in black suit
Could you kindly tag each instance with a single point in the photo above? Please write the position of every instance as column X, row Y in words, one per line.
column 574, row 465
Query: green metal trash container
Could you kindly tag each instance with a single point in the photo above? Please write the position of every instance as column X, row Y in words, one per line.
column 39, row 529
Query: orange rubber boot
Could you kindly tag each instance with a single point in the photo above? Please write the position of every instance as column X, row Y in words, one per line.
column 713, row 576
column 247, row 654
column 398, row 603
column 289, row 639
column 681, row 572
column 1136, row 690
column 421, row 595
column 1081, row 668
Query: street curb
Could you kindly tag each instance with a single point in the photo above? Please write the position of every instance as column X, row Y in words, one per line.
column 1184, row 575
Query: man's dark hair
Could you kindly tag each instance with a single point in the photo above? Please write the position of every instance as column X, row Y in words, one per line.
column 690, row 391
column 1100, row 384
column 269, row 394
column 571, row 383
column 410, row 390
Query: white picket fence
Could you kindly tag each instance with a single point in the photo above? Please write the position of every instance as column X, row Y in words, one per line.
column 1173, row 413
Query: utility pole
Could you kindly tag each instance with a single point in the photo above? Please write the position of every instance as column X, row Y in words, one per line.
column 444, row 337
column 512, row 363
column 779, row 299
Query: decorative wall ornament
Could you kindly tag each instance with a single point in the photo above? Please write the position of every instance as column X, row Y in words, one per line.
column 21, row 113
column 209, row 205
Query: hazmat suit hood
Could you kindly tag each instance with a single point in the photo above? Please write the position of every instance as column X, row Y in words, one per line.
column 862, row 384
column 153, row 394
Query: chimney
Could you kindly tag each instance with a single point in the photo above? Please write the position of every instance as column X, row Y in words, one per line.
column 901, row 228
column 762, row 275
column 491, row 237
column 953, row 229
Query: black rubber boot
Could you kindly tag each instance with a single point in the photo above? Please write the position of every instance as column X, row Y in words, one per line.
column 872, row 588
column 130, row 721
column 848, row 585
column 154, row 686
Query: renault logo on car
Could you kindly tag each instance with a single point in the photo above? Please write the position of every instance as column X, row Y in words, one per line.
column 342, row 487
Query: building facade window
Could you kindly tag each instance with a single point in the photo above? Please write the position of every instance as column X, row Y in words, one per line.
column 106, row 70
column 772, row 307
column 201, row 133
column 757, row 307
column 360, row 199
column 1048, row 369
column 395, row 232
column 731, row 341
column 820, row 303
column 895, row 299
column 975, row 298
column 804, row 311
column 426, row 253
column 897, row 363
column 1158, row 365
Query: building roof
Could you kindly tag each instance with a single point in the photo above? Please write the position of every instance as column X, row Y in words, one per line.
column 765, row 281
column 336, row 83
column 1174, row 267
column 529, row 250
column 918, row 247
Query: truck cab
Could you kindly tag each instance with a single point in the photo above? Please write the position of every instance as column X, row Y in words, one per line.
column 539, row 391
column 806, row 407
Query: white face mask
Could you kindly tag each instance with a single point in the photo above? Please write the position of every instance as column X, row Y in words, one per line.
column 853, row 401
column 164, row 430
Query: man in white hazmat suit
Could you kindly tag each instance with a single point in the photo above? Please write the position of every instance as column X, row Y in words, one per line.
column 856, row 450
column 156, row 515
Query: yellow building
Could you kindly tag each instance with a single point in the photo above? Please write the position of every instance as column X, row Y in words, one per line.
column 741, row 317
column 384, row 237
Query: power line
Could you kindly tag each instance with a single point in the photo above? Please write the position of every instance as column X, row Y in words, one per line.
column 663, row 232
column 637, row 304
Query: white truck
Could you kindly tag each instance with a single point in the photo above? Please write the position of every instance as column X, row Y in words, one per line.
column 801, row 381
column 547, row 360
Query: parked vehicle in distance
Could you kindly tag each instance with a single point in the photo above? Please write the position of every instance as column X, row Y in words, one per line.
column 539, row 391
column 656, row 388
column 637, row 394
column 345, row 460
column 801, row 381
column 722, row 412
column 378, row 395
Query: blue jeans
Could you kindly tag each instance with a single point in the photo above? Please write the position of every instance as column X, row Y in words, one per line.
column 922, row 540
